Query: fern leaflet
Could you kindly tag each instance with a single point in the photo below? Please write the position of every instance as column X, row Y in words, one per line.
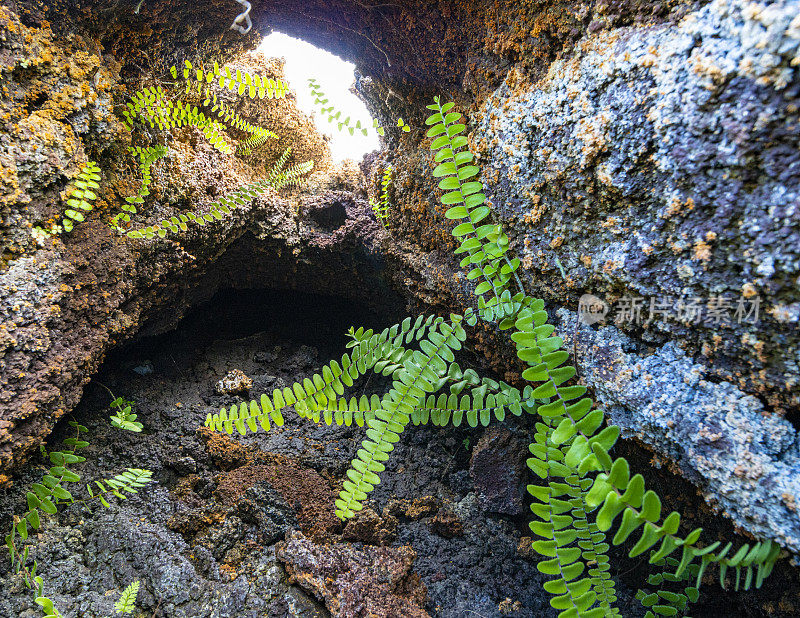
column 127, row 600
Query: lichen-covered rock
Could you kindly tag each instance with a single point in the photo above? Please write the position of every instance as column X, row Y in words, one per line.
column 657, row 167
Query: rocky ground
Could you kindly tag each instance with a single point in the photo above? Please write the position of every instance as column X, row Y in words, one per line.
column 245, row 526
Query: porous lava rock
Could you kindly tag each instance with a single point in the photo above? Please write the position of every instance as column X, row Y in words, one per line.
column 356, row 583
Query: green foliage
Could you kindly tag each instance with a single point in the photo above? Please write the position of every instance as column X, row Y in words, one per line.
column 381, row 206
column 278, row 177
column 335, row 116
column 130, row 481
column 146, row 157
column 81, row 195
column 44, row 499
column 584, row 489
column 157, row 108
column 124, row 418
column 570, row 444
column 127, row 600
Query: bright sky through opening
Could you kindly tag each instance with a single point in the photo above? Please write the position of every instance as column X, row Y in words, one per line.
column 335, row 77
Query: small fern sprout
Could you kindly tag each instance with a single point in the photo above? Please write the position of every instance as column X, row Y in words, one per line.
column 381, row 206
column 124, row 418
column 127, row 600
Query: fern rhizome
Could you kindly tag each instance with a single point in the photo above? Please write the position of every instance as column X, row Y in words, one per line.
column 585, row 492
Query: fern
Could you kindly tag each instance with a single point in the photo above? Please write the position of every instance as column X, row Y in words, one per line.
column 146, row 157
column 224, row 206
column 47, row 496
column 124, row 417
column 127, row 600
column 278, row 177
column 154, row 107
column 237, row 81
column 335, row 116
column 381, row 206
column 585, row 489
column 570, row 444
column 81, row 195
column 129, row 481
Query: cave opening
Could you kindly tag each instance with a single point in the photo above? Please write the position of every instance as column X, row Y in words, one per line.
column 304, row 61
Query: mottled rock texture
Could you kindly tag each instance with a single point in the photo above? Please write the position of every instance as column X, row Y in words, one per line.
column 663, row 164
column 633, row 148
column 373, row 581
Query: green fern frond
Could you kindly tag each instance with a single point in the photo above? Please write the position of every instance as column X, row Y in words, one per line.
column 279, row 177
column 570, row 443
column 152, row 107
column 127, row 600
column 238, row 81
column 333, row 115
column 146, row 157
column 381, row 206
column 664, row 602
column 223, row 207
column 347, row 124
column 129, row 481
column 313, row 394
column 81, row 195
column 417, row 378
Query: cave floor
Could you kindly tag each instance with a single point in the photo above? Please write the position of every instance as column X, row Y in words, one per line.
column 209, row 537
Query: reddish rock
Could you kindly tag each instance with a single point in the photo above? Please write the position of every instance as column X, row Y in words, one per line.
column 446, row 524
column 370, row 528
column 353, row 583
column 412, row 509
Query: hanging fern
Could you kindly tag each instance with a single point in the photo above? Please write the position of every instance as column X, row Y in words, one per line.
column 146, row 157
column 157, row 108
column 224, row 206
column 335, row 116
column 381, row 206
column 570, row 443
